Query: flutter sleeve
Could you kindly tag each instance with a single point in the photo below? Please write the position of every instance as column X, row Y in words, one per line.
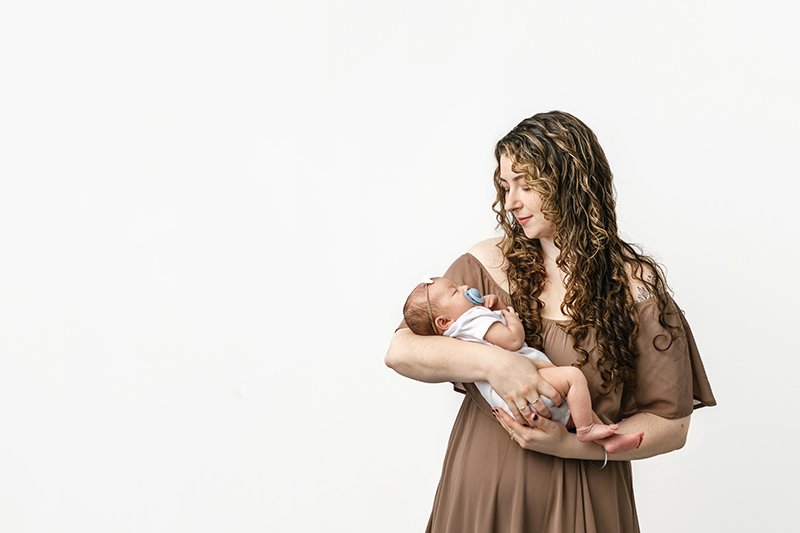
column 670, row 378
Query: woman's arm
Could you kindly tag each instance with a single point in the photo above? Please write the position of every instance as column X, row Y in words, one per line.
column 435, row 359
column 661, row 435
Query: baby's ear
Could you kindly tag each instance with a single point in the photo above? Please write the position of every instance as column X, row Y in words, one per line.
column 442, row 322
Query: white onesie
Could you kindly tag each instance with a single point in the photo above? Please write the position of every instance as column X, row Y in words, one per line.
column 472, row 326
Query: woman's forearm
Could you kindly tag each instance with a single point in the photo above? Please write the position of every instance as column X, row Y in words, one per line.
column 436, row 359
column 661, row 435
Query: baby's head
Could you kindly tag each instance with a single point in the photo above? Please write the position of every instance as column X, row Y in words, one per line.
column 432, row 307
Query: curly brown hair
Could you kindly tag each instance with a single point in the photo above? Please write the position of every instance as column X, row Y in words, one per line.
column 563, row 162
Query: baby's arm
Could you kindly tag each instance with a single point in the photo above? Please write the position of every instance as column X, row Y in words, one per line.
column 511, row 336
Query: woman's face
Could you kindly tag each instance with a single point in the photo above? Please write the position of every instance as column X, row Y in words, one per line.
column 523, row 202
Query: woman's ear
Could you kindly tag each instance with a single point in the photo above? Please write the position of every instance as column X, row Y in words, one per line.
column 442, row 323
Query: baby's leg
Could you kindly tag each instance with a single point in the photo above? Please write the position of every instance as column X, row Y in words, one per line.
column 571, row 384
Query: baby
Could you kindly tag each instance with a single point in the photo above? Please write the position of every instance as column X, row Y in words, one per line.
column 440, row 307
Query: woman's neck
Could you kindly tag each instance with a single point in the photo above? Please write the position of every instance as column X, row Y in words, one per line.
column 549, row 249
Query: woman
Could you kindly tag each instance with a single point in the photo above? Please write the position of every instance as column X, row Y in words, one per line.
column 587, row 298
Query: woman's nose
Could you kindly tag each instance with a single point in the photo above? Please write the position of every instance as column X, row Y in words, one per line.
column 512, row 202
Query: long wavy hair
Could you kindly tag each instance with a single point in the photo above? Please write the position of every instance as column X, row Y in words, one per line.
column 563, row 162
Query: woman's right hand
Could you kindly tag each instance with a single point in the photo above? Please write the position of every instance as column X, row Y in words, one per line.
column 517, row 381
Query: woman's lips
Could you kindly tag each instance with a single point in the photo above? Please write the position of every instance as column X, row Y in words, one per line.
column 523, row 220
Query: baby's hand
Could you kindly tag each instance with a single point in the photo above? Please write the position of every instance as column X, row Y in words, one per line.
column 491, row 301
column 509, row 314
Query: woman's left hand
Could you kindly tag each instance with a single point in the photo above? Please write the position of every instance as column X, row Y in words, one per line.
column 543, row 435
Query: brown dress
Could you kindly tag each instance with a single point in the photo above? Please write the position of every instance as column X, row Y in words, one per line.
column 490, row 484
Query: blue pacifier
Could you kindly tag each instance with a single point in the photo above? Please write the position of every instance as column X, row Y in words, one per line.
column 474, row 295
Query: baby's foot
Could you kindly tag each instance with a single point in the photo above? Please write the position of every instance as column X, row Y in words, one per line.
column 623, row 443
column 596, row 431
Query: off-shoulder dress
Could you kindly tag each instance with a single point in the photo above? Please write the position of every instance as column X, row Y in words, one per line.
column 490, row 484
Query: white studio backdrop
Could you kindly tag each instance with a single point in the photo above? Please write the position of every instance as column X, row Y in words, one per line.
column 211, row 214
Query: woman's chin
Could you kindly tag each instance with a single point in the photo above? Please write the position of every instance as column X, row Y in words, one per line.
column 537, row 233
column 532, row 233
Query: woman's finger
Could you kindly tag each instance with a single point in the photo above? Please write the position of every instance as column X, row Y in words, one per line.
column 507, row 421
column 522, row 409
column 500, row 419
column 522, row 435
column 537, row 406
column 519, row 414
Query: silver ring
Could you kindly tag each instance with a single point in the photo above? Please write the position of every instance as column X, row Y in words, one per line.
column 512, row 434
column 534, row 401
column 523, row 407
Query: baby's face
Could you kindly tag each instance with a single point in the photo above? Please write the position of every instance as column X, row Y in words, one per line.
column 449, row 298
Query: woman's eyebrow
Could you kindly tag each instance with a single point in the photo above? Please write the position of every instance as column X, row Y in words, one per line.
column 512, row 178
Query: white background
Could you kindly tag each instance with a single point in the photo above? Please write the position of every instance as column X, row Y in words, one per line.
column 212, row 212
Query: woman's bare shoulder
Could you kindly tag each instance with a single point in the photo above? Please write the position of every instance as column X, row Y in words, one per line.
column 639, row 288
column 488, row 253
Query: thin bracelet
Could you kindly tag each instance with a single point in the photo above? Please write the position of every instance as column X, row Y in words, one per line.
column 605, row 460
